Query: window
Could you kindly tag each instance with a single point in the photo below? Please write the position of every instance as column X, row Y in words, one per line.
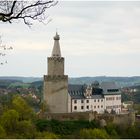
column 87, row 101
column 75, row 101
column 94, row 106
column 101, row 106
column 98, row 100
column 82, row 107
column 98, row 106
column 113, row 90
column 94, row 100
column 102, row 100
column 87, row 107
column 82, row 101
column 75, row 107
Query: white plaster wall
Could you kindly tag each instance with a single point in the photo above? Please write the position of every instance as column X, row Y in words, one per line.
column 69, row 104
column 91, row 105
column 116, row 104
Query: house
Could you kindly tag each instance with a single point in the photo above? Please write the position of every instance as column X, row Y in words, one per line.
column 104, row 97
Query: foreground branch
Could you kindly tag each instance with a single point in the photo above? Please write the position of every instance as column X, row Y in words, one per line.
column 25, row 10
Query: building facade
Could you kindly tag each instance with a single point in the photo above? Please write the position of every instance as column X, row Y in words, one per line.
column 63, row 98
column 105, row 97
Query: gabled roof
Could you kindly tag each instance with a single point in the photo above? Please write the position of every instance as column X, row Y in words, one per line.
column 110, row 88
column 72, row 88
column 77, row 92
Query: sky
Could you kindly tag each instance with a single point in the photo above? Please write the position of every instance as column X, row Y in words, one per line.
column 97, row 38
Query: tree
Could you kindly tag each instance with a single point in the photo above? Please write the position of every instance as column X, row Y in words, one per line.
column 25, row 10
column 47, row 135
column 111, row 130
column 25, row 129
column 3, row 49
column 9, row 120
column 43, row 109
column 93, row 134
column 133, row 132
column 2, row 132
column 24, row 110
column 14, row 127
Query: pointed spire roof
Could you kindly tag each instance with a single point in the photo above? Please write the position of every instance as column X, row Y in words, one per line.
column 56, row 48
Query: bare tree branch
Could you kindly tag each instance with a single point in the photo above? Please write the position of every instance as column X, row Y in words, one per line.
column 3, row 52
column 25, row 10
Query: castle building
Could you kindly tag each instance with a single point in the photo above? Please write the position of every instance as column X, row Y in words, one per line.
column 63, row 98
column 95, row 97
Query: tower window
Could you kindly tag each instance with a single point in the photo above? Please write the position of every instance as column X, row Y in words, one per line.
column 87, row 101
column 82, row 107
column 82, row 101
column 75, row 101
column 75, row 107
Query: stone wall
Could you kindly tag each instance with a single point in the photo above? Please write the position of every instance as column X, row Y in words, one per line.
column 123, row 119
column 55, row 66
column 56, row 93
column 67, row 116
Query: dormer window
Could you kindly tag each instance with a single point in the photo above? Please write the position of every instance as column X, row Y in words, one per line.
column 88, row 92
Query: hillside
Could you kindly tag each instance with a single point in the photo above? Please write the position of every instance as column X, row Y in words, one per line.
column 121, row 81
column 23, row 79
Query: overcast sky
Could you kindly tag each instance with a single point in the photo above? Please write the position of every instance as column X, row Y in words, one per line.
column 96, row 39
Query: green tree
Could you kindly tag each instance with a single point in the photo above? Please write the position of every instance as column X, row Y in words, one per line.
column 111, row 130
column 43, row 109
column 93, row 134
column 34, row 103
column 133, row 132
column 9, row 120
column 47, row 135
column 26, row 129
column 2, row 133
column 24, row 110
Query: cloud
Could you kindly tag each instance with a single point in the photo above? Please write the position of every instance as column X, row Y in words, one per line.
column 108, row 33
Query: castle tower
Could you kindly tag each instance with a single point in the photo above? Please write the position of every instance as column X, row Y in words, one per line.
column 56, row 83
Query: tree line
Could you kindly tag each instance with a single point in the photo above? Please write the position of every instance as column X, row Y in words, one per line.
column 18, row 120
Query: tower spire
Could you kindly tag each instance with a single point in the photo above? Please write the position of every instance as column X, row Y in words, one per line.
column 56, row 48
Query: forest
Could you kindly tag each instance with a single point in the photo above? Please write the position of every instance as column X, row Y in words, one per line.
column 19, row 120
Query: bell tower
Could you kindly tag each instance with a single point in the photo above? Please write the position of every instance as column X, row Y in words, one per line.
column 56, row 83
